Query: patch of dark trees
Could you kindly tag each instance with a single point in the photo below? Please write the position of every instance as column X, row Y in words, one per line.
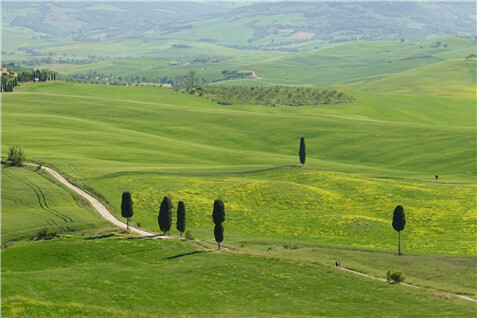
column 271, row 96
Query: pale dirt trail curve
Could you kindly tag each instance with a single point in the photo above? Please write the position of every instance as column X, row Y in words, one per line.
column 104, row 212
column 98, row 206
column 405, row 284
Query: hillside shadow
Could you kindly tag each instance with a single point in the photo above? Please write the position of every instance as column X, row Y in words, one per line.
column 99, row 237
column 185, row 254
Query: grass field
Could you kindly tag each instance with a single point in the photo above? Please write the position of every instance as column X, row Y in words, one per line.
column 402, row 136
column 391, row 66
column 148, row 278
column 308, row 206
column 284, row 227
column 202, row 151
column 31, row 202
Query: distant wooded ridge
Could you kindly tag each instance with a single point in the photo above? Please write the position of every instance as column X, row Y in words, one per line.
column 271, row 26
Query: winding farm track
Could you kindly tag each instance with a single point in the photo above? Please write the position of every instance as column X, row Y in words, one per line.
column 104, row 212
column 405, row 284
column 98, row 206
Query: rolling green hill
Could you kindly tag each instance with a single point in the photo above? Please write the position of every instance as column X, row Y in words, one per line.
column 363, row 159
column 119, row 277
column 30, row 202
column 155, row 142
column 425, row 68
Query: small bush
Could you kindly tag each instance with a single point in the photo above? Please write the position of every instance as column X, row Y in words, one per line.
column 188, row 235
column 6, row 244
column 395, row 277
column 46, row 233
column 291, row 246
column 139, row 224
column 16, row 157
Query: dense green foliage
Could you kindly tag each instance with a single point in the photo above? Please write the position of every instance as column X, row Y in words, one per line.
column 219, row 233
column 395, row 277
column 16, row 156
column 218, row 216
column 218, row 213
column 8, row 83
column 302, row 151
column 165, row 215
column 399, row 219
column 181, row 217
column 127, row 210
column 272, row 96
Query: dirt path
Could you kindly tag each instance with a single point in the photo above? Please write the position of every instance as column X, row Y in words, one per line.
column 405, row 284
column 102, row 210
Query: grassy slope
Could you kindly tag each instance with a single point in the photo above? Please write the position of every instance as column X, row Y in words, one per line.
column 110, row 131
column 402, row 67
column 181, row 278
column 384, row 135
column 308, row 206
column 31, row 202
column 446, row 78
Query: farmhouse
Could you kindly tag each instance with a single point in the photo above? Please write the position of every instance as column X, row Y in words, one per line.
column 248, row 73
column 4, row 71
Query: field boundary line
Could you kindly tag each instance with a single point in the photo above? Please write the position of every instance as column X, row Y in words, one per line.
column 404, row 284
column 98, row 206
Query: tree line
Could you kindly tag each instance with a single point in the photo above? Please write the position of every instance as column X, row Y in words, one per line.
column 25, row 75
column 164, row 218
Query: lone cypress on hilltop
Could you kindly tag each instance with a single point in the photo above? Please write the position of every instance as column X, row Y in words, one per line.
column 127, row 207
column 302, row 151
column 165, row 215
column 399, row 221
column 181, row 219
column 218, row 215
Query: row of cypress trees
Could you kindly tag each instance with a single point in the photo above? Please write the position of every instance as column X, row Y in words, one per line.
column 165, row 215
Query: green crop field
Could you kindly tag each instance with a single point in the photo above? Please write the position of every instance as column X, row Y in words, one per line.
column 391, row 66
column 150, row 278
column 414, row 117
column 31, row 202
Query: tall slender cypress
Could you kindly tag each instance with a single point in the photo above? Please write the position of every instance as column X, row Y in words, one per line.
column 165, row 215
column 399, row 221
column 302, row 151
column 181, row 217
column 219, row 233
column 218, row 215
column 127, row 207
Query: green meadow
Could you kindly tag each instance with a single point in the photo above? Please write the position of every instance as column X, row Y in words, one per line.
column 285, row 225
column 31, row 202
column 381, row 66
column 151, row 278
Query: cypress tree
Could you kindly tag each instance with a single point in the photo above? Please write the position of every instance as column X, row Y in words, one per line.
column 127, row 207
column 218, row 215
column 399, row 221
column 302, row 151
column 219, row 233
column 165, row 215
column 181, row 219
